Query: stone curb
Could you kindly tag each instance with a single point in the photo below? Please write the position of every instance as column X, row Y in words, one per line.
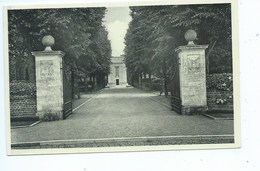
column 138, row 141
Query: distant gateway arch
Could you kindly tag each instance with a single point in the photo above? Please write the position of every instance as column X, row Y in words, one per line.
column 117, row 76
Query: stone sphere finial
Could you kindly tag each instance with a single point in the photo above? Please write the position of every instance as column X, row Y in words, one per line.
column 48, row 41
column 190, row 36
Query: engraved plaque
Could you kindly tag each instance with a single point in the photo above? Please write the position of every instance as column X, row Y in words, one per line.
column 193, row 63
column 46, row 69
column 193, row 80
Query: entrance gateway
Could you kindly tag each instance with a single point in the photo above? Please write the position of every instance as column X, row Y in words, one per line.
column 54, row 85
column 117, row 76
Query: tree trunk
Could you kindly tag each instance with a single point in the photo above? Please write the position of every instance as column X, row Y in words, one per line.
column 140, row 78
column 91, row 77
column 207, row 56
column 150, row 80
column 30, row 63
column 165, row 78
column 132, row 79
column 72, row 84
column 95, row 82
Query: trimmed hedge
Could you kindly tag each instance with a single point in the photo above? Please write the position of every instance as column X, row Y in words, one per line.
column 22, row 98
column 222, row 81
column 22, row 88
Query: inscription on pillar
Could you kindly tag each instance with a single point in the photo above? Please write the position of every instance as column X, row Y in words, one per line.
column 46, row 69
column 193, row 82
column 194, row 64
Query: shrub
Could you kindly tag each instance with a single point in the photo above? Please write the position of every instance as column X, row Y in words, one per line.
column 223, row 99
column 50, row 116
column 21, row 88
column 220, row 89
column 222, row 81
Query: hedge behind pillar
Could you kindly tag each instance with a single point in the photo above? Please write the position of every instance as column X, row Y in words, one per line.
column 192, row 72
column 49, row 80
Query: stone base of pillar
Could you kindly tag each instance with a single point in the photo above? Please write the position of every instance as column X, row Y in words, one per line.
column 193, row 110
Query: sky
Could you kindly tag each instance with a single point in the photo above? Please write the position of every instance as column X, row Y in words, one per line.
column 116, row 21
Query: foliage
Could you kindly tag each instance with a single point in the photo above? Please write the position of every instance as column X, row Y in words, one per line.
column 50, row 116
column 21, row 88
column 155, row 32
column 77, row 31
column 220, row 89
column 218, row 97
column 221, row 101
column 222, row 81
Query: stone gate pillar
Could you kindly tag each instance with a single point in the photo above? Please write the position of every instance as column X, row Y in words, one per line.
column 49, row 80
column 192, row 72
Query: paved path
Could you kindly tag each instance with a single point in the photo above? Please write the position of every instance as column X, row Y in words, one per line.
column 122, row 112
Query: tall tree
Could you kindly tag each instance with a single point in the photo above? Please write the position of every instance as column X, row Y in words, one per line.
column 77, row 31
column 155, row 31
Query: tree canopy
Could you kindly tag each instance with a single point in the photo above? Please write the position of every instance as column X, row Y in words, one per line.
column 155, row 31
column 78, row 32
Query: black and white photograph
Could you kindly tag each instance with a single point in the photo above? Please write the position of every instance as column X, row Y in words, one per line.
column 121, row 77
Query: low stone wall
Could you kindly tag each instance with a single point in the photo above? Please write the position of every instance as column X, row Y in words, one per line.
column 22, row 106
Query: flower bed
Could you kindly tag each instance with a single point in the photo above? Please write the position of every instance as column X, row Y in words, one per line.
column 220, row 92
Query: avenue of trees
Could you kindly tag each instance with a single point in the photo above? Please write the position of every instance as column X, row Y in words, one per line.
column 155, row 32
column 77, row 31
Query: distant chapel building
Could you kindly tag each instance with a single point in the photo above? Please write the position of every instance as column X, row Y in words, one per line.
column 117, row 76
